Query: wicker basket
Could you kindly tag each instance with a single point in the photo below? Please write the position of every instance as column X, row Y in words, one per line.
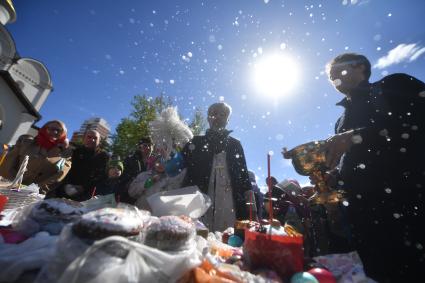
column 19, row 198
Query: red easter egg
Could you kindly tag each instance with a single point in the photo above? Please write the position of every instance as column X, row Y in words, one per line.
column 322, row 275
column 3, row 201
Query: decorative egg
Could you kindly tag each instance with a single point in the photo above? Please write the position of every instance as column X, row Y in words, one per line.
column 303, row 277
column 322, row 275
column 235, row 241
column 225, row 237
column 3, row 201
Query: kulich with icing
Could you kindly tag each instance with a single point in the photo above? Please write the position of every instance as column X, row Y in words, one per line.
column 169, row 233
column 107, row 222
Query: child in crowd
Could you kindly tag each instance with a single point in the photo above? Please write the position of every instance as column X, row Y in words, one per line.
column 113, row 183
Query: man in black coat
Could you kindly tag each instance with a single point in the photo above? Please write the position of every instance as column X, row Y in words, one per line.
column 89, row 164
column 381, row 138
column 200, row 152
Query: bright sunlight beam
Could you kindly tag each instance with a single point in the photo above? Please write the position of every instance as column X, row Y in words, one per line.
column 275, row 75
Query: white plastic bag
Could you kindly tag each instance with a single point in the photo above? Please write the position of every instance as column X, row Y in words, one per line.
column 185, row 201
column 99, row 202
column 165, row 183
column 102, row 264
column 31, row 254
column 70, row 246
column 23, row 222
column 67, row 249
column 137, row 186
column 32, row 218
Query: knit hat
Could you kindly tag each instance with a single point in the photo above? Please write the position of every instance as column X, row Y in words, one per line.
column 251, row 176
column 116, row 164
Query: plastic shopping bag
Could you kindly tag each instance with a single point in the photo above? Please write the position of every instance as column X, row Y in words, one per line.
column 116, row 259
column 31, row 254
column 67, row 249
column 185, row 201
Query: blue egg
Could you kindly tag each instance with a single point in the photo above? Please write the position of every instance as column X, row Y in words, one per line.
column 303, row 277
column 235, row 241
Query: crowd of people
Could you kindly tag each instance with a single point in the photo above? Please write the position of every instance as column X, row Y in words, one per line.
column 376, row 156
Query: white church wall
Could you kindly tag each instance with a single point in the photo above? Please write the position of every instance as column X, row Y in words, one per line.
column 26, row 120
column 4, row 15
column 16, row 120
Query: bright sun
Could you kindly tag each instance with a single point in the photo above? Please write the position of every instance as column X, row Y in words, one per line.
column 275, row 75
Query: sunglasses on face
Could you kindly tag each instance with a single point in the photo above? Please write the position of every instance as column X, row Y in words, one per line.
column 338, row 73
column 93, row 138
column 55, row 129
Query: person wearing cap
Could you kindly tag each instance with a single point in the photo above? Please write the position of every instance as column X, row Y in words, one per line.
column 289, row 205
column 113, row 184
column 273, row 181
column 140, row 161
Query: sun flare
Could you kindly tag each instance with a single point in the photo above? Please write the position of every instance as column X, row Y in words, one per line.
column 275, row 75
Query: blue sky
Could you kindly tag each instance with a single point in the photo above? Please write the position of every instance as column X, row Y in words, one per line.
column 101, row 53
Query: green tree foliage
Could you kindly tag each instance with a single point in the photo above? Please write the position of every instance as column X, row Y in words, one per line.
column 131, row 129
column 199, row 123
